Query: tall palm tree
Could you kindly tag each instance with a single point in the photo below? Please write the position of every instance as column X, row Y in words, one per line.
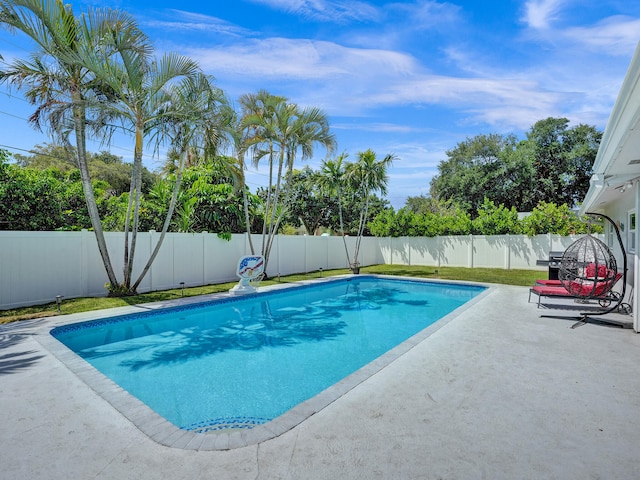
column 332, row 179
column 199, row 112
column 142, row 103
column 281, row 131
column 241, row 144
column 57, row 79
column 257, row 125
column 367, row 176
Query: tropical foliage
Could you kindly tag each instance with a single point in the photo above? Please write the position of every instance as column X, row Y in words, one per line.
column 490, row 220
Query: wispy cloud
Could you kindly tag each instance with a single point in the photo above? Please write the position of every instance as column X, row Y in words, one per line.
column 302, row 59
column 379, row 127
column 425, row 14
column 326, row 10
column 617, row 34
column 189, row 22
column 509, row 102
column 539, row 14
column 357, row 81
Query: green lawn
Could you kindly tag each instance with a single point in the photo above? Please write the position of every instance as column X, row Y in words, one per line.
column 75, row 305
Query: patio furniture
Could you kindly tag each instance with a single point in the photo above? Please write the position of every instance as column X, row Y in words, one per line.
column 588, row 270
column 600, row 291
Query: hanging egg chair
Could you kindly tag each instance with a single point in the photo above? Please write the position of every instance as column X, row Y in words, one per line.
column 588, row 270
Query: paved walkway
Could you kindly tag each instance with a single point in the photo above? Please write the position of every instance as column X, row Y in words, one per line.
column 496, row 393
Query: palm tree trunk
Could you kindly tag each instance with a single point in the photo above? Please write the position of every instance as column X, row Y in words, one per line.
column 361, row 225
column 344, row 240
column 127, row 223
column 274, row 222
column 245, row 204
column 165, row 226
column 247, row 220
column 87, row 187
column 267, row 204
column 136, row 185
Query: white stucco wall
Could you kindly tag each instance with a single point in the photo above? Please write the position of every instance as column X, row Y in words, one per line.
column 618, row 210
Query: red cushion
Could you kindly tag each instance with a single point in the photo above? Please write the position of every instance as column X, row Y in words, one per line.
column 587, row 288
column 553, row 290
column 590, row 271
column 549, row 283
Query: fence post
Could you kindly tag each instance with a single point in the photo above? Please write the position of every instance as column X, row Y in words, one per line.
column 84, row 261
column 470, row 261
column 205, row 257
column 150, row 272
column 507, row 253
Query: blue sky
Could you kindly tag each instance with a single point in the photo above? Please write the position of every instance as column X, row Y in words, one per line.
column 409, row 78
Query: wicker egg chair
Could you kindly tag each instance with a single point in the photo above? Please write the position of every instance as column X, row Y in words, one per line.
column 589, row 271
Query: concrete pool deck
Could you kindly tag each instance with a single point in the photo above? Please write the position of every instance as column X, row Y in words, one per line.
column 498, row 392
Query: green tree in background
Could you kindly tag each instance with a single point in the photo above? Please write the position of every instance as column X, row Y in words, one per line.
column 563, row 159
column 406, row 222
column 33, row 199
column 102, row 166
column 479, row 167
column 553, row 164
column 309, row 204
column 489, row 220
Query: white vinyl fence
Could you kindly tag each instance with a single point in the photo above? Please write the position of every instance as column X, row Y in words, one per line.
column 35, row 267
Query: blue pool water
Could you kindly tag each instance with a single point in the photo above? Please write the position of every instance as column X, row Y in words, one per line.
column 241, row 362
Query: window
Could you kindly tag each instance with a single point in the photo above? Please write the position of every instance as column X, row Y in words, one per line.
column 631, row 231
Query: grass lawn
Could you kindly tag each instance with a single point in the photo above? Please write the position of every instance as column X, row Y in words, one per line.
column 76, row 305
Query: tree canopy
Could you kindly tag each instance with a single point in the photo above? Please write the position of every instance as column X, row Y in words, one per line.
column 553, row 164
column 103, row 166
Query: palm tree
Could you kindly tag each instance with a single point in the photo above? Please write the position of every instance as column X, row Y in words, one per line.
column 281, row 131
column 367, row 176
column 57, row 79
column 241, row 144
column 256, row 133
column 331, row 179
column 149, row 98
column 198, row 113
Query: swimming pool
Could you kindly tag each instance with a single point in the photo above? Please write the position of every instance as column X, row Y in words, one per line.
column 236, row 363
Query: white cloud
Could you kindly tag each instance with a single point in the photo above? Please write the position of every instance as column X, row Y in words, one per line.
column 426, row 14
column 617, row 35
column 353, row 81
column 301, row 59
column 189, row 22
column 539, row 14
column 326, row 10
column 379, row 127
column 422, row 156
column 497, row 101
